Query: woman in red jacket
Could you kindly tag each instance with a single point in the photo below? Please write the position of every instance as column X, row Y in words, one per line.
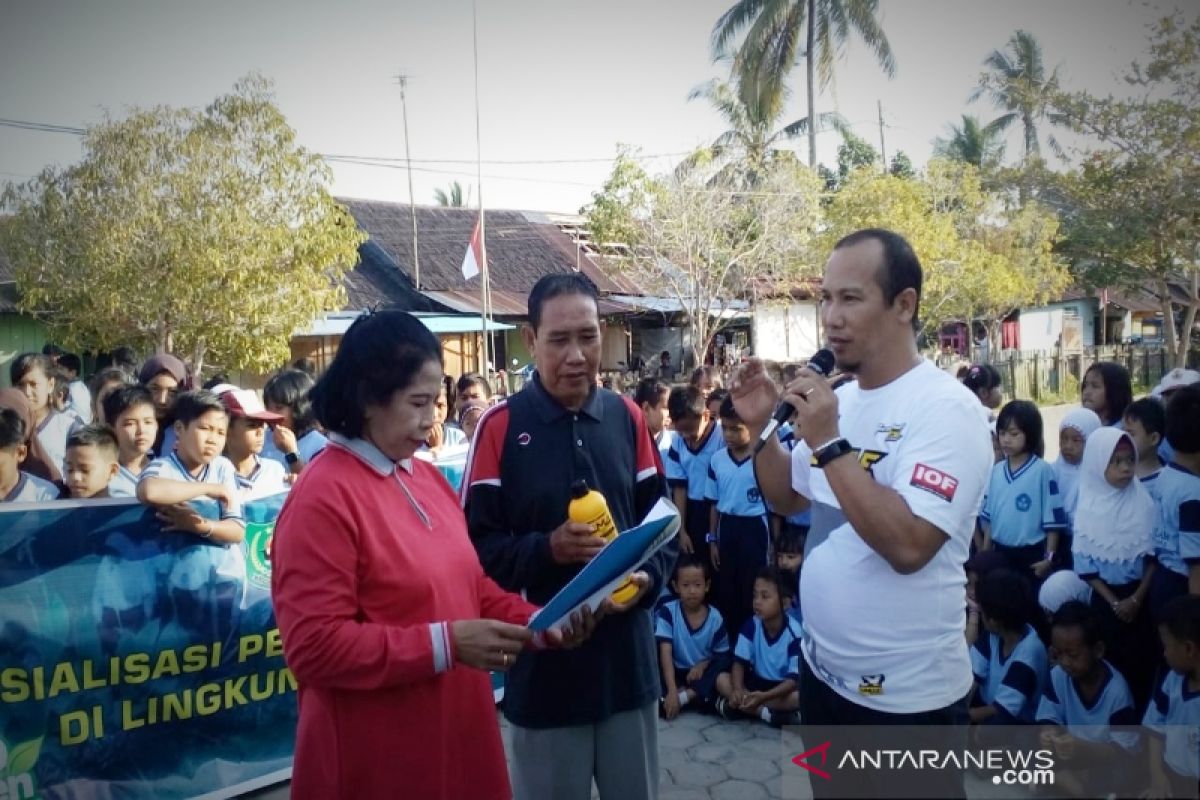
column 388, row 621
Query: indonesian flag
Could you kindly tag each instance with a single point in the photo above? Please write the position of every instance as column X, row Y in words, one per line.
column 474, row 255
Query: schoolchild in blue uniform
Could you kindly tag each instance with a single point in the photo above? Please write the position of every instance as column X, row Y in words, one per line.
column 1022, row 513
column 765, row 674
column 1173, row 717
column 740, row 529
column 1087, row 711
column 1114, row 540
column 693, row 647
column 1009, row 660
column 1177, row 535
column 697, row 439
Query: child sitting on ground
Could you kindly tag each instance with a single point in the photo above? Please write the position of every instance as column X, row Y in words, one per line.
column 1008, row 658
column 130, row 410
column 693, row 648
column 764, row 679
column 91, row 461
column 1084, row 698
column 1173, row 716
column 17, row 486
column 256, row 477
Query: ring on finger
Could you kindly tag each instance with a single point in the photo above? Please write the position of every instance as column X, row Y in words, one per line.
column 807, row 392
column 504, row 658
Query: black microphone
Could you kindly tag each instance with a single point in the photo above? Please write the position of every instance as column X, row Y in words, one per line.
column 821, row 363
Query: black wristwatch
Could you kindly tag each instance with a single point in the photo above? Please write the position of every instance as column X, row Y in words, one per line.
column 831, row 450
column 291, row 458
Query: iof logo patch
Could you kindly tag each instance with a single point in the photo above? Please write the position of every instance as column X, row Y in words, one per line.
column 934, row 481
column 258, row 553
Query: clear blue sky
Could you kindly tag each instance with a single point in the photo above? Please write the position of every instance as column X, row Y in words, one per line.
column 558, row 80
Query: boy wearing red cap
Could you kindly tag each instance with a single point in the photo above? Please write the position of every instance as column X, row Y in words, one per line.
column 248, row 418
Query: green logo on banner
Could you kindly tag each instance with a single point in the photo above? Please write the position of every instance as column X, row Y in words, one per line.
column 258, row 553
column 16, row 769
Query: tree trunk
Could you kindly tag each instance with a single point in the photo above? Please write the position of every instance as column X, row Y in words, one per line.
column 812, row 91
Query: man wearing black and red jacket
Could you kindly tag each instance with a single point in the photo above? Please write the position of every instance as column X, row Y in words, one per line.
column 589, row 712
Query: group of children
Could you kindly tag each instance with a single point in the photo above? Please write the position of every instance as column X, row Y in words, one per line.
column 1108, row 539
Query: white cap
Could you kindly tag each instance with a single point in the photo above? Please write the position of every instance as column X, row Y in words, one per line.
column 1176, row 379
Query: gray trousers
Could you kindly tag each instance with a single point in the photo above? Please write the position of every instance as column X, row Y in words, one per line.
column 621, row 752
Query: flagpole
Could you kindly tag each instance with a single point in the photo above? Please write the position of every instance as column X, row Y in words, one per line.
column 484, row 289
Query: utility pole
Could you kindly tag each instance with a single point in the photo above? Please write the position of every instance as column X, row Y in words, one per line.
column 882, row 147
column 403, row 81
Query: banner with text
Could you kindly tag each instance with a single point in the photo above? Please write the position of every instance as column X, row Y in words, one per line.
column 136, row 662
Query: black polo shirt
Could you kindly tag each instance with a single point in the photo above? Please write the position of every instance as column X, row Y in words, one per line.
column 527, row 452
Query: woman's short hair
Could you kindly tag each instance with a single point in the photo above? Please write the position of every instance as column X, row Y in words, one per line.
column 380, row 355
column 292, row 388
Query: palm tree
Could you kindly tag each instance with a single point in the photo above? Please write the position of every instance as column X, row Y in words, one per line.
column 772, row 44
column 1017, row 82
column 453, row 199
column 972, row 143
column 742, row 154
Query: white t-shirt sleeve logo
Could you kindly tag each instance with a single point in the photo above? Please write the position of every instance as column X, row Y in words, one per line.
column 934, row 481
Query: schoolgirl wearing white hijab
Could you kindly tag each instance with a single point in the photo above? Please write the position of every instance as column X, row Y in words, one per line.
column 1114, row 538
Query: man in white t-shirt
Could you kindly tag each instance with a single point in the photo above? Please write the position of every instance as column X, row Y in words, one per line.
column 894, row 467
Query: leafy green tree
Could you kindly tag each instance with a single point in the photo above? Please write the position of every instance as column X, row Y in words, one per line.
column 208, row 232
column 452, row 197
column 776, row 33
column 902, row 166
column 1131, row 208
column 1017, row 82
column 615, row 213
column 707, row 245
column 972, row 143
column 982, row 261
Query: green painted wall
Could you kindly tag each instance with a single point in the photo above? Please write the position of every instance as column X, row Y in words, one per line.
column 18, row 334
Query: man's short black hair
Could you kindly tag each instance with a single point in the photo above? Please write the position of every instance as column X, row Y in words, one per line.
column 901, row 269
column 684, row 402
column 1183, row 419
column 550, row 286
column 191, row 406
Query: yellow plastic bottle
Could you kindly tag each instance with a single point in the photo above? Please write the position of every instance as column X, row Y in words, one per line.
column 589, row 507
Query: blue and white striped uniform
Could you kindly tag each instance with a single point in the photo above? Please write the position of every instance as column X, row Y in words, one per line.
column 771, row 660
column 1113, row 705
column 30, row 489
column 1012, row 684
column 123, row 484
column 1177, row 535
column 688, row 467
column 1174, row 713
column 690, row 646
column 1023, row 506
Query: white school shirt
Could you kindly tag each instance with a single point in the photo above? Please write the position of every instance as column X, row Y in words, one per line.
column 30, row 489
column 880, row 639
column 53, row 433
